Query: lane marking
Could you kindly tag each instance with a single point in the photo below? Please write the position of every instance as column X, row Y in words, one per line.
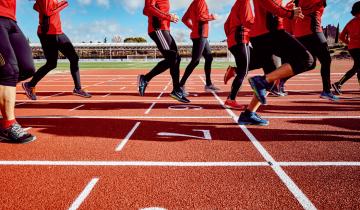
column 149, row 109
column 171, row 164
column 286, row 179
column 84, row 194
column 206, row 135
column 185, row 107
column 128, row 136
column 106, row 95
column 57, row 94
column 76, row 108
column 122, row 117
column 123, row 88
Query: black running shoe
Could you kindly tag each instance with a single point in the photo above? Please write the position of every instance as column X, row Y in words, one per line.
column 178, row 95
column 142, row 84
column 260, row 87
column 16, row 134
column 337, row 88
column 251, row 118
column 81, row 93
column 282, row 88
column 29, row 91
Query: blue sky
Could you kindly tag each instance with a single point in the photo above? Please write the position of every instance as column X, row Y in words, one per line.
column 93, row 20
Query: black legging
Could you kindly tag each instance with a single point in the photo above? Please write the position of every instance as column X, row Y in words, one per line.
column 16, row 63
column 241, row 53
column 318, row 47
column 51, row 45
column 355, row 54
column 168, row 48
column 200, row 48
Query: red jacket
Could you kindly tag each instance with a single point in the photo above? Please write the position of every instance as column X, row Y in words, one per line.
column 8, row 9
column 49, row 16
column 158, row 14
column 269, row 16
column 239, row 23
column 313, row 11
column 197, row 18
column 351, row 34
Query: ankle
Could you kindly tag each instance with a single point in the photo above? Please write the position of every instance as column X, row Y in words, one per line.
column 7, row 123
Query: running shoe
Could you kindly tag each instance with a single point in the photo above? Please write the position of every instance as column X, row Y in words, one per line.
column 275, row 91
column 16, row 134
column 260, row 85
column 230, row 73
column 251, row 118
column 29, row 91
column 81, row 93
column 185, row 93
column 142, row 84
column 329, row 95
column 179, row 96
column 337, row 88
column 210, row 88
column 232, row 104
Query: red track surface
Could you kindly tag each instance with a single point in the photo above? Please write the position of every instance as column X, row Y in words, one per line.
column 116, row 150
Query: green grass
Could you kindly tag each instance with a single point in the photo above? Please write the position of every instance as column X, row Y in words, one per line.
column 127, row 65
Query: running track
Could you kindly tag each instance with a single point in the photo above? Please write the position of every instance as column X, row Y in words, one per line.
column 121, row 151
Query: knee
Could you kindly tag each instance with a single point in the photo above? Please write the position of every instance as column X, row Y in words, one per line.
column 209, row 58
column 172, row 57
column 26, row 73
column 9, row 75
column 51, row 64
column 74, row 59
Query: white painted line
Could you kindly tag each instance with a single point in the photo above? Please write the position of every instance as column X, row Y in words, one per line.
column 76, row 108
column 84, row 194
column 171, row 164
column 121, row 117
column 290, row 184
column 149, row 109
column 130, row 163
column 128, row 136
column 18, row 104
column 57, row 94
column 106, row 95
column 122, row 88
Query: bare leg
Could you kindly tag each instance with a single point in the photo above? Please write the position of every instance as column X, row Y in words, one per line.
column 7, row 102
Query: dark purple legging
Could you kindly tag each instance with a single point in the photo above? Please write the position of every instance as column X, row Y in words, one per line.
column 16, row 63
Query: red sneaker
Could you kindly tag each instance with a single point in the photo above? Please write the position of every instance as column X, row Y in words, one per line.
column 232, row 104
column 230, row 72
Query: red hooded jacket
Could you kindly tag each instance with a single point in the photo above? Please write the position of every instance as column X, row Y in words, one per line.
column 158, row 14
column 269, row 16
column 197, row 18
column 351, row 34
column 313, row 11
column 239, row 23
column 8, row 9
column 49, row 16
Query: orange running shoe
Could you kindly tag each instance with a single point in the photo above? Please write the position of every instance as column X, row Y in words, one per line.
column 230, row 72
column 232, row 104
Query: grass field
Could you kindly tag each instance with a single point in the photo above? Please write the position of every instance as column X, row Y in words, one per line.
column 127, row 65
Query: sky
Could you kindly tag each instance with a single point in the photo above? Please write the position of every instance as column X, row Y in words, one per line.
column 93, row 20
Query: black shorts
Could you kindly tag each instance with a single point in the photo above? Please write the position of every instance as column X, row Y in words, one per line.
column 283, row 45
column 16, row 63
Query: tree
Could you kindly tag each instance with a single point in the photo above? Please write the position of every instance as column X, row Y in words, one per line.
column 337, row 33
column 116, row 39
column 135, row 40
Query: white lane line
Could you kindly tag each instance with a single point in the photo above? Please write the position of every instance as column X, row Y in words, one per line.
column 106, row 95
column 171, row 164
column 57, row 94
column 122, row 117
column 289, row 183
column 76, row 108
column 131, row 163
column 149, row 109
column 122, row 88
column 84, row 194
column 128, row 136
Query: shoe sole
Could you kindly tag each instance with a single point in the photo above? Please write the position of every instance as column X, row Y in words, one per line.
column 330, row 99
column 26, row 141
column 81, row 95
column 178, row 99
column 26, row 92
column 249, row 123
column 235, row 108
column 252, row 84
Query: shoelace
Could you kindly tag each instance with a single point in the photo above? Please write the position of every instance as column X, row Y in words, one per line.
column 18, row 130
